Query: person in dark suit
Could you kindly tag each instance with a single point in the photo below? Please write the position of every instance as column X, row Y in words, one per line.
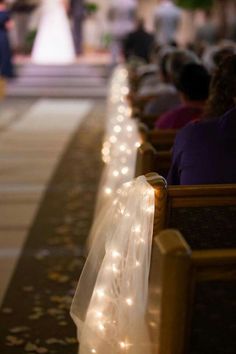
column 138, row 43
column 6, row 67
column 77, row 12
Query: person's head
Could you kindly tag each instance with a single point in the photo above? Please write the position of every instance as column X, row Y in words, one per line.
column 223, row 88
column 193, row 83
column 177, row 60
column 216, row 54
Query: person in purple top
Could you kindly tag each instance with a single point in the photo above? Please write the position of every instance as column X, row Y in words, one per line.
column 204, row 152
column 193, row 88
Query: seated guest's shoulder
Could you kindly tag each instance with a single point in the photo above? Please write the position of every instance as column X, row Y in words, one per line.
column 225, row 124
column 228, row 121
column 168, row 120
column 201, row 127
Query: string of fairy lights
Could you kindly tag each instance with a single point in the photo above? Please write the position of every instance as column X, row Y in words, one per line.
column 122, row 139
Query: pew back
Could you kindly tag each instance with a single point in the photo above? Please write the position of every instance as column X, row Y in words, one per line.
column 205, row 214
column 192, row 303
column 162, row 140
column 149, row 160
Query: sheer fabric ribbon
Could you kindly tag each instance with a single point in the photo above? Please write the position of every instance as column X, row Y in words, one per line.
column 109, row 306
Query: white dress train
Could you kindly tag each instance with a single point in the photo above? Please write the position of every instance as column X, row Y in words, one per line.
column 54, row 41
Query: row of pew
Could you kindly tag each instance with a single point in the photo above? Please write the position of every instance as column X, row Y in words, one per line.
column 192, row 302
column 193, row 270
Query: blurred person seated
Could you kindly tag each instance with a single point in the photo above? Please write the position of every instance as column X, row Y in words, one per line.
column 149, row 75
column 171, row 65
column 152, row 85
column 166, row 94
column 177, row 60
column 193, row 88
column 205, row 152
column 214, row 55
column 209, row 31
column 138, row 43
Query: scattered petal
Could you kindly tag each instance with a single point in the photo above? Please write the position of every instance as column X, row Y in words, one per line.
column 28, row 289
column 52, row 341
column 16, row 330
column 7, row 310
column 63, row 323
column 71, row 340
column 13, row 341
column 30, row 347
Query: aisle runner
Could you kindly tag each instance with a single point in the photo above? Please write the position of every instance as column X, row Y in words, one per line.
column 35, row 315
column 30, row 149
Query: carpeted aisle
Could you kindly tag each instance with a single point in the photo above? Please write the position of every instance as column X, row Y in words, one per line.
column 35, row 317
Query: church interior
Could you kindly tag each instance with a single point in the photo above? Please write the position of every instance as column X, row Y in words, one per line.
column 117, row 176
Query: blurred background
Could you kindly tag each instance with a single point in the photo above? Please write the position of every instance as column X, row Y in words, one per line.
column 97, row 30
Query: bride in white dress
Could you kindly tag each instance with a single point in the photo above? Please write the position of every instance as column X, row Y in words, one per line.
column 54, row 41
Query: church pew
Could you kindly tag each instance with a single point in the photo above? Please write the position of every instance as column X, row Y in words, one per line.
column 205, row 214
column 162, row 139
column 154, row 154
column 192, row 305
column 149, row 120
column 150, row 160
column 139, row 102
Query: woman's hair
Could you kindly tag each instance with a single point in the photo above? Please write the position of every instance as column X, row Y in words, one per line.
column 222, row 88
column 215, row 54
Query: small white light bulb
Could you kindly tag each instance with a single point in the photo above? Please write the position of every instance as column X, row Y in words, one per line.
column 137, row 229
column 108, row 191
column 129, row 128
column 117, row 129
column 122, row 147
column 99, row 314
column 100, row 293
column 113, row 139
column 115, row 269
column 149, row 210
column 115, row 173
column 121, row 109
column 120, row 118
column 115, row 254
column 124, row 170
column 129, row 301
column 124, row 345
column 101, row 327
